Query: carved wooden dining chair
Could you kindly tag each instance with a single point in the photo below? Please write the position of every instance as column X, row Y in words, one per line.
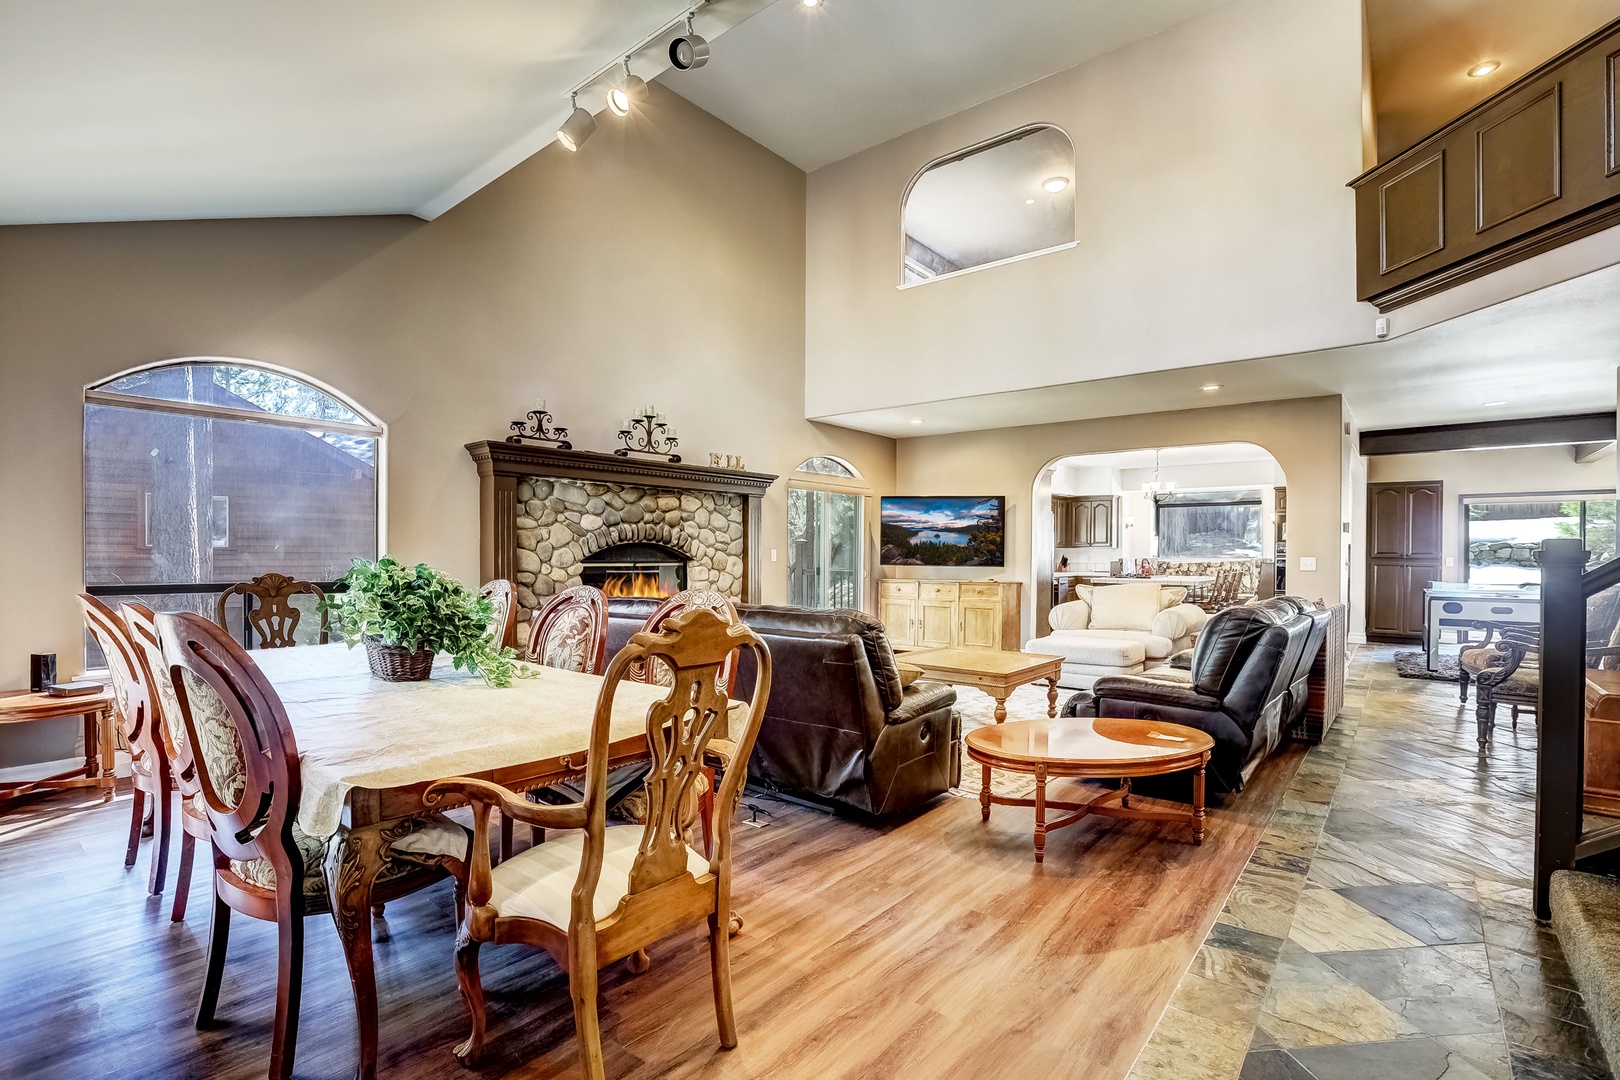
column 653, row 671
column 265, row 865
column 570, row 632
column 503, row 594
column 140, row 728
column 192, row 819
column 599, row 894
column 270, row 610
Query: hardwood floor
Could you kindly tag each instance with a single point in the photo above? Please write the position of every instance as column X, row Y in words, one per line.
column 928, row 948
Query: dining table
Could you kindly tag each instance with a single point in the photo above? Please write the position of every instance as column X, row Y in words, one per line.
column 369, row 748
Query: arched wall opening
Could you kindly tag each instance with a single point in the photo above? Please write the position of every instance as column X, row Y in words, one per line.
column 1186, row 509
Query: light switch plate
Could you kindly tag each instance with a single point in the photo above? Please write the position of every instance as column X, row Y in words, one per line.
column 1451, row 560
column 1307, row 562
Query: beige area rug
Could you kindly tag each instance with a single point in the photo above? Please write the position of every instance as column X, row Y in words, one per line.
column 979, row 709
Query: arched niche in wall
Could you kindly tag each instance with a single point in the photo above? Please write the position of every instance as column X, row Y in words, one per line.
column 1007, row 198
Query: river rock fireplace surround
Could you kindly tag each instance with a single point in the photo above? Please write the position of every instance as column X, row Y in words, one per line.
column 549, row 519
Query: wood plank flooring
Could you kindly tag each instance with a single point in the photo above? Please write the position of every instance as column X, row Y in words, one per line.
column 927, row 948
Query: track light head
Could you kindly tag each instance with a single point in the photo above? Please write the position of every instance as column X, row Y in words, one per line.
column 629, row 92
column 690, row 51
column 577, row 128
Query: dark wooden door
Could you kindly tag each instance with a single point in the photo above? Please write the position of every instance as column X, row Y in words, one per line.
column 1405, row 525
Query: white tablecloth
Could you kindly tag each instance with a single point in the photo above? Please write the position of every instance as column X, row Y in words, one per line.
column 357, row 731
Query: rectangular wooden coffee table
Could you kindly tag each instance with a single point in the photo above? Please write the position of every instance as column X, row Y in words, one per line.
column 998, row 672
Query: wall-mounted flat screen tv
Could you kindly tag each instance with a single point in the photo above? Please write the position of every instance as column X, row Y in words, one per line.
column 949, row 530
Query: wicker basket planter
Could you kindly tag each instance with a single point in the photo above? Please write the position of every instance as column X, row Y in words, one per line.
column 396, row 663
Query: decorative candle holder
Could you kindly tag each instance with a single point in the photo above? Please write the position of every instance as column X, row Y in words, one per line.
column 536, row 427
column 648, row 434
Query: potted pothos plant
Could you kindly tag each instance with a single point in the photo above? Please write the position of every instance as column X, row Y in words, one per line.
column 405, row 615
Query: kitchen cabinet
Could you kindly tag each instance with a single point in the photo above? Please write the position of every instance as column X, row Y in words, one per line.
column 1085, row 520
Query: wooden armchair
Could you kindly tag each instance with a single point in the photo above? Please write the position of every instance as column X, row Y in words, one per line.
column 503, row 594
column 265, row 865
column 140, row 727
column 599, row 894
column 270, row 610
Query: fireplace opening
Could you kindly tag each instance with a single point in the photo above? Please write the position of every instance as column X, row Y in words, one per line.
column 651, row 570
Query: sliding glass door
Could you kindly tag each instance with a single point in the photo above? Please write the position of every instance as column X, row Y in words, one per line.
column 824, row 548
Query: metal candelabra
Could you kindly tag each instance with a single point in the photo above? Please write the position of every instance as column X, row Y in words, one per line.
column 648, row 434
column 536, row 427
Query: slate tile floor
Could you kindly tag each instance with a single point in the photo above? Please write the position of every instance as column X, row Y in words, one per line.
column 1382, row 929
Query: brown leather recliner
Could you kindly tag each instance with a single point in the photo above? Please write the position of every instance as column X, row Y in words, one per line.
column 839, row 730
column 1248, row 682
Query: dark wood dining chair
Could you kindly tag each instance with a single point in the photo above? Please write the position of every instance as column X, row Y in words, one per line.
column 570, row 632
column 139, row 726
column 192, row 819
column 265, row 866
column 596, row 894
column 270, row 612
column 503, row 594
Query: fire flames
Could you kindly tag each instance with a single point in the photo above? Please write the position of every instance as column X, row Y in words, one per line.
column 635, row 585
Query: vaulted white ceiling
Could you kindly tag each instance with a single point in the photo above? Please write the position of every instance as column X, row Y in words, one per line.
column 118, row 110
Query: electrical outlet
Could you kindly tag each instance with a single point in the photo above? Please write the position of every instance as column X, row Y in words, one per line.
column 1307, row 562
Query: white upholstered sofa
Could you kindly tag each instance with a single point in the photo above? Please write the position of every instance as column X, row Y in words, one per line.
column 1119, row 630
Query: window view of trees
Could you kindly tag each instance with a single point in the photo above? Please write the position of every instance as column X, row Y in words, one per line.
column 1209, row 524
column 1504, row 534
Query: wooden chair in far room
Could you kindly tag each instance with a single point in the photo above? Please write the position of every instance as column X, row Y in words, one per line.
column 139, row 725
column 142, row 625
column 265, row 866
column 597, row 894
column 1224, row 592
column 570, row 632
column 503, row 594
column 270, row 613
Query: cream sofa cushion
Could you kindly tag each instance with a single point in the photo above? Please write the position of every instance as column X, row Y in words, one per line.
column 1170, row 596
column 1074, row 615
column 1101, row 650
column 1124, row 607
column 1179, row 621
column 539, row 883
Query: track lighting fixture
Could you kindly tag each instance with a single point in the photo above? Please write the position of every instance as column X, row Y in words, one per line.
column 690, row 51
column 628, row 93
column 578, row 127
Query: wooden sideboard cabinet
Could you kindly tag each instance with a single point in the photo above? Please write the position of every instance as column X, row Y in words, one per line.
column 951, row 614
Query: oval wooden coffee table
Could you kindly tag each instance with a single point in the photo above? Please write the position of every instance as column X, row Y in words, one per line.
column 1084, row 747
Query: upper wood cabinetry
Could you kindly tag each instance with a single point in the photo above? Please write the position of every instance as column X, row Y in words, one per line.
column 1531, row 167
column 948, row 614
column 1085, row 520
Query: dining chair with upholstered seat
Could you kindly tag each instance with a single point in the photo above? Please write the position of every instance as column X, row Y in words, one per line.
column 503, row 595
column 270, row 613
column 598, row 894
column 193, row 820
column 140, row 727
column 265, row 865
column 570, row 632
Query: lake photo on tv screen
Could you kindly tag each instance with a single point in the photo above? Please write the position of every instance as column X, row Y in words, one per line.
column 944, row 531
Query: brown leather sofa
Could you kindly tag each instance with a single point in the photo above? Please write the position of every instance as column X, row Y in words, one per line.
column 839, row 730
column 1247, row 684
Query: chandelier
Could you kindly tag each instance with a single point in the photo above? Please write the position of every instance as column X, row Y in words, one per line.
column 1156, row 487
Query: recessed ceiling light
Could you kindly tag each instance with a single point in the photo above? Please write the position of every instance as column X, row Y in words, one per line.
column 810, row 3
column 1210, row 387
column 1055, row 184
column 914, row 419
column 1492, row 404
column 1029, row 202
column 1483, row 68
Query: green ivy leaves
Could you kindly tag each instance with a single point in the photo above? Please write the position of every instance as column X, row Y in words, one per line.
column 420, row 608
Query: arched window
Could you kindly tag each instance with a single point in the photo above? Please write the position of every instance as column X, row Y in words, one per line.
column 829, row 466
column 1007, row 198
column 201, row 473
column 826, row 535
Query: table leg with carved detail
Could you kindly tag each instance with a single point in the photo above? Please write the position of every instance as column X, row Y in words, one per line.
column 352, row 866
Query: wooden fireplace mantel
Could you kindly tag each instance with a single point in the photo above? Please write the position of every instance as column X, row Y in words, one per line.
column 502, row 465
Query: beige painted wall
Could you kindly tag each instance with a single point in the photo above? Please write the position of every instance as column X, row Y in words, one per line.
column 1490, row 472
column 1213, row 221
column 1303, row 435
column 664, row 262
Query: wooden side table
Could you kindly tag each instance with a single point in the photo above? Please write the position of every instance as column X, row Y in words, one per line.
column 23, row 707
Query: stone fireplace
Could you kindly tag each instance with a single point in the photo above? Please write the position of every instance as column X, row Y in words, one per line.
column 551, row 519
